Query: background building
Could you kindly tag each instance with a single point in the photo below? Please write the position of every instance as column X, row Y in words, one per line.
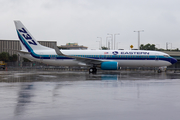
column 11, row 45
column 72, row 46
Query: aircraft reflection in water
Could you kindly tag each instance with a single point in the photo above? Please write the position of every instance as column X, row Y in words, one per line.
column 102, row 77
column 25, row 94
column 129, row 76
column 24, row 98
column 51, row 76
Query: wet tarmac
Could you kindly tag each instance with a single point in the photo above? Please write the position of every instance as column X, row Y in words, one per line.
column 45, row 95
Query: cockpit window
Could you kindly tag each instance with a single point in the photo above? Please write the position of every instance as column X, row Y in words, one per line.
column 166, row 56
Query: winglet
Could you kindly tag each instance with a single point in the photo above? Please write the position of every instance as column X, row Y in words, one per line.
column 58, row 52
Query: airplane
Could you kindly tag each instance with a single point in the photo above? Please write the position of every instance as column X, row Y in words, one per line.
column 103, row 59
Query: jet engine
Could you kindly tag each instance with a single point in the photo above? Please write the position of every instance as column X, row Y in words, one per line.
column 109, row 65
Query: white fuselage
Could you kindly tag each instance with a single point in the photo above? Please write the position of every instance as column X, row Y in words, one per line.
column 125, row 58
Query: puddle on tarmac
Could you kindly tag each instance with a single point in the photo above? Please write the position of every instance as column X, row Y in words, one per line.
column 43, row 95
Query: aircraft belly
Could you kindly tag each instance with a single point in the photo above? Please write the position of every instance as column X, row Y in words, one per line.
column 61, row 62
column 27, row 56
column 52, row 61
column 143, row 63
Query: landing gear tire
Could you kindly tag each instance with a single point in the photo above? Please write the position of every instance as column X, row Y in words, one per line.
column 93, row 70
column 159, row 71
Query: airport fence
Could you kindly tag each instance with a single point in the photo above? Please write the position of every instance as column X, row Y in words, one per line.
column 41, row 66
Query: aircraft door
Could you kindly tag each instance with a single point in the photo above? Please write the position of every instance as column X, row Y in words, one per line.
column 157, row 57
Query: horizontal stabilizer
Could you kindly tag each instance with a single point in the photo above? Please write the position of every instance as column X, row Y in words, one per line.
column 18, row 51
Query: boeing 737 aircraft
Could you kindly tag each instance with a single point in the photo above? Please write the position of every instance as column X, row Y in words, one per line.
column 103, row 59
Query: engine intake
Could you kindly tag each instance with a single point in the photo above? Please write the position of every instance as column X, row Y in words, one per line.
column 109, row 65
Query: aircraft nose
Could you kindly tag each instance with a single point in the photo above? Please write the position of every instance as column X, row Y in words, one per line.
column 173, row 60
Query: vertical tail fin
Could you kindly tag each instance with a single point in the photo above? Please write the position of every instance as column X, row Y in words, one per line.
column 27, row 41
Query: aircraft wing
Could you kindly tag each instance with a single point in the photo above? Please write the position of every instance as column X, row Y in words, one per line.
column 89, row 61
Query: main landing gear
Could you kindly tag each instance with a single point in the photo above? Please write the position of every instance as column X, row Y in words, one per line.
column 93, row 70
column 159, row 71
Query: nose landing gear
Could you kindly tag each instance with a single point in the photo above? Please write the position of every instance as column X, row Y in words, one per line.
column 93, row 70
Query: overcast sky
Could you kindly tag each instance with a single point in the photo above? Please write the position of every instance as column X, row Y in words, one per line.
column 82, row 21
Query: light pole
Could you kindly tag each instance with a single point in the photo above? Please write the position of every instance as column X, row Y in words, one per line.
column 108, row 45
column 107, row 42
column 168, row 44
column 111, row 40
column 158, row 45
column 101, row 42
column 115, row 39
column 118, row 45
column 139, row 37
column 171, row 45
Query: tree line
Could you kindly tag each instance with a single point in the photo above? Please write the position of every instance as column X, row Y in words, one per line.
column 4, row 56
column 152, row 47
column 149, row 47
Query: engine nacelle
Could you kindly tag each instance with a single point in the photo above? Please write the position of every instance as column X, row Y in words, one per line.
column 109, row 65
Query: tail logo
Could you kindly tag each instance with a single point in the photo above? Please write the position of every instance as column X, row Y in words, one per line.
column 27, row 36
